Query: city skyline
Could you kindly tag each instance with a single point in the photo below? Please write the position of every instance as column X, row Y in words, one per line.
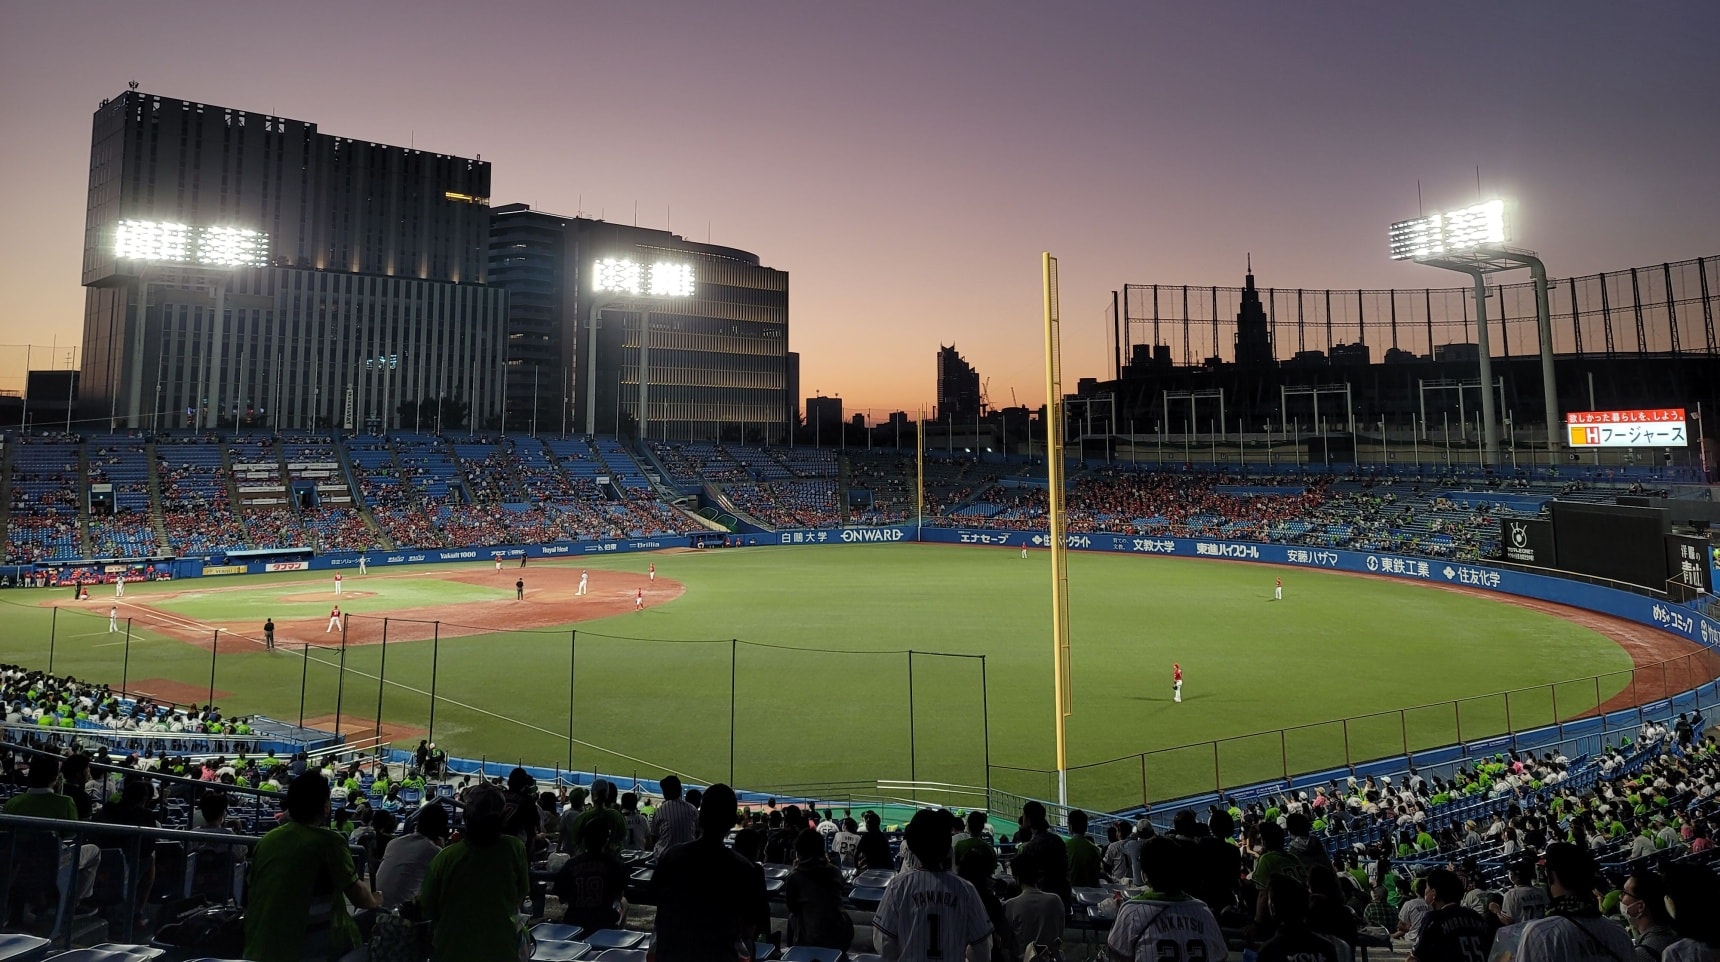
column 906, row 164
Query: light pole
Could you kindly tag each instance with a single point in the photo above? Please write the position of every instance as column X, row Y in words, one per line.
column 191, row 254
column 624, row 282
column 1472, row 241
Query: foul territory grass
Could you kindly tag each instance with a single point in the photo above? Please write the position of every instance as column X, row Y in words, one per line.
column 813, row 643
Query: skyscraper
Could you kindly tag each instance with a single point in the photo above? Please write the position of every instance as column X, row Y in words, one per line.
column 712, row 359
column 242, row 268
column 958, row 387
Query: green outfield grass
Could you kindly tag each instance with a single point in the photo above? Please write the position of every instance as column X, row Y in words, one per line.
column 652, row 689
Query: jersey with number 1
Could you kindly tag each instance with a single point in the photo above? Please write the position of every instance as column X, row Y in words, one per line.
column 1157, row 929
column 932, row 915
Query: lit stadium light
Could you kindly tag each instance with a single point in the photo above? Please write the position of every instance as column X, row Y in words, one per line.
column 232, row 247
column 617, row 275
column 167, row 242
column 672, row 280
column 1450, row 232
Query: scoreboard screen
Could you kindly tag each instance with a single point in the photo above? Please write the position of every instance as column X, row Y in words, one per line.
column 1654, row 428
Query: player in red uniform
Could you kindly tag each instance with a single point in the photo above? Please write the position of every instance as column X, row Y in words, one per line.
column 653, row 571
column 1278, row 589
column 1176, row 682
column 639, row 600
column 337, row 583
column 333, row 620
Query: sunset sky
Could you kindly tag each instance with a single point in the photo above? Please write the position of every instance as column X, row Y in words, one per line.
column 907, row 162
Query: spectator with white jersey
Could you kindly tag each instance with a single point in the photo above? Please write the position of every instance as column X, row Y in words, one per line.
column 1164, row 914
column 675, row 820
column 930, row 912
column 1574, row 930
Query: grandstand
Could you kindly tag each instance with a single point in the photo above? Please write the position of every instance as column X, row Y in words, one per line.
column 1476, row 805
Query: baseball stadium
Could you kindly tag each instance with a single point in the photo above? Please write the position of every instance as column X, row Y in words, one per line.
column 1252, row 599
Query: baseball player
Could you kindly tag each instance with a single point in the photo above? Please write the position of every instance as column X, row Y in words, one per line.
column 522, row 559
column 498, row 564
column 337, row 583
column 1024, row 552
column 653, row 572
column 269, row 634
column 119, row 587
column 520, row 590
column 1176, row 682
column 113, row 618
column 639, row 600
column 361, row 564
column 1278, row 589
column 584, row 578
column 333, row 620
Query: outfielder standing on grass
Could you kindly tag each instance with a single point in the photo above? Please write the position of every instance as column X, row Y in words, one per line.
column 1176, row 682
column 1278, row 589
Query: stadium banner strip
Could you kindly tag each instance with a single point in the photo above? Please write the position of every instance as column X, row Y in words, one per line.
column 1667, row 616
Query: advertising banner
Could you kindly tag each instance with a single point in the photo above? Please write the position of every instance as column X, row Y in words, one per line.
column 1528, row 541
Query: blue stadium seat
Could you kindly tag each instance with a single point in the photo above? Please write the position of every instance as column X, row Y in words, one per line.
column 111, row 952
column 23, row 948
column 810, row 953
column 613, row 939
column 554, row 950
column 556, row 932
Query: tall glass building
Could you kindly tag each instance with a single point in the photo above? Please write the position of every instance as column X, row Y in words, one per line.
column 639, row 332
column 243, row 269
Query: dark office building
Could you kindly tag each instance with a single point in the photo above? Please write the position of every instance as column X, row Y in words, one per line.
column 824, row 416
column 667, row 365
column 368, row 290
column 958, row 387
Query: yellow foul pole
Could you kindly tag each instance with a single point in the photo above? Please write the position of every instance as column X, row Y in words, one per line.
column 920, row 471
column 1058, row 544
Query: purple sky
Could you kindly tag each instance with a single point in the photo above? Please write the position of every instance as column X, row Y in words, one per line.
column 907, row 162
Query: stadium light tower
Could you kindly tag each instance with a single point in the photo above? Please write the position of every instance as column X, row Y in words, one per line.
column 206, row 254
column 1471, row 241
column 624, row 282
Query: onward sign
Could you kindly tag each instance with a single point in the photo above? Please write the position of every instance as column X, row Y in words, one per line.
column 872, row 534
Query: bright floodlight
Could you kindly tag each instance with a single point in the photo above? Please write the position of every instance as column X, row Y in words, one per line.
column 1451, row 232
column 620, row 275
column 166, row 242
column 672, row 280
column 617, row 275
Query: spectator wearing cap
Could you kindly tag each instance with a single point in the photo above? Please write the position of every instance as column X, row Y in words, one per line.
column 675, row 821
column 930, row 912
column 602, row 809
column 474, row 887
column 711, row 902
column 1574, row 930
column 407, row 859
column 520, row 812
column 299, row 873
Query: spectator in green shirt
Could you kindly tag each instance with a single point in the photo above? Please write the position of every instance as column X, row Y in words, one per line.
column 299, row 875
column 475, row 886
column 42, row 799
column 1084, row 856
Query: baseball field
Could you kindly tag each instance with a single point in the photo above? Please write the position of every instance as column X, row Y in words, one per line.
column 789, row 666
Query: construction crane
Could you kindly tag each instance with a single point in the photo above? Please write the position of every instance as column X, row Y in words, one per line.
column 985, row 395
